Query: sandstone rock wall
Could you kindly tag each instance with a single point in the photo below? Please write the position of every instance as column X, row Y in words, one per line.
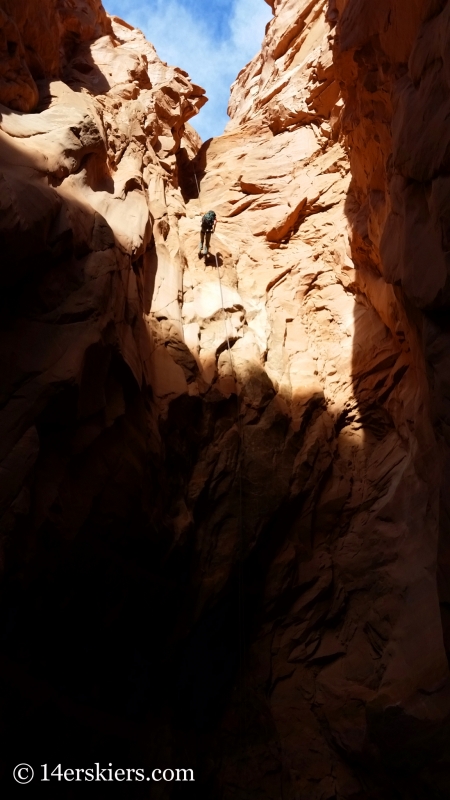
column 303, row 181
column 90, row 203
column 228, row 478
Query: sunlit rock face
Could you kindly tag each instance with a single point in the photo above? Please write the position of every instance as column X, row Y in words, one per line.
column 334, row 256
column 222, row 482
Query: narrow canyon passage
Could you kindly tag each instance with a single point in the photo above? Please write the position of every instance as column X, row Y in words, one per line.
column 224, row 480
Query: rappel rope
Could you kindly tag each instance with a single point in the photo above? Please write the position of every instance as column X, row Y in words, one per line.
column 241, row 605
column 225, row 323
column 198, row 190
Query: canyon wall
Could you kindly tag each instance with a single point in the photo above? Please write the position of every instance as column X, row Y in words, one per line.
column 225, row 536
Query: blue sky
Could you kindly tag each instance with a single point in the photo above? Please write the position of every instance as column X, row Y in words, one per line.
column 210, row 39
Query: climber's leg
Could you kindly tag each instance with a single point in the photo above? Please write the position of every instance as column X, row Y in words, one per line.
column 202, row 238
column 207, row 242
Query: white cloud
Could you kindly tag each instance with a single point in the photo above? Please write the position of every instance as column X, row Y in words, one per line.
column 182, row 37
column 247, row 25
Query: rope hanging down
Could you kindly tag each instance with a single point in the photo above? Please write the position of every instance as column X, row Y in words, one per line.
column 241, row 556
column 198, row 191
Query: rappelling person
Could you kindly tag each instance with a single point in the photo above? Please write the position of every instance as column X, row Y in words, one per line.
column 209, row 222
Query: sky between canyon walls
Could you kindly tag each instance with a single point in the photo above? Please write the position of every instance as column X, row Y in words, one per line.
column 210, row 39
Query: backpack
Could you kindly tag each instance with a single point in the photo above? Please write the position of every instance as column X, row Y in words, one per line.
column 208, row 220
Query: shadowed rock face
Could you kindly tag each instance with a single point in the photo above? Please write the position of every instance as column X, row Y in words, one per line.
column 224, row 502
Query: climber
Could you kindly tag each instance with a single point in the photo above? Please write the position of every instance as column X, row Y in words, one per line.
column 209, row 222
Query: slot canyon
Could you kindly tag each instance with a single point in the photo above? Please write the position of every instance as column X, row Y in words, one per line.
column 225, row 482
